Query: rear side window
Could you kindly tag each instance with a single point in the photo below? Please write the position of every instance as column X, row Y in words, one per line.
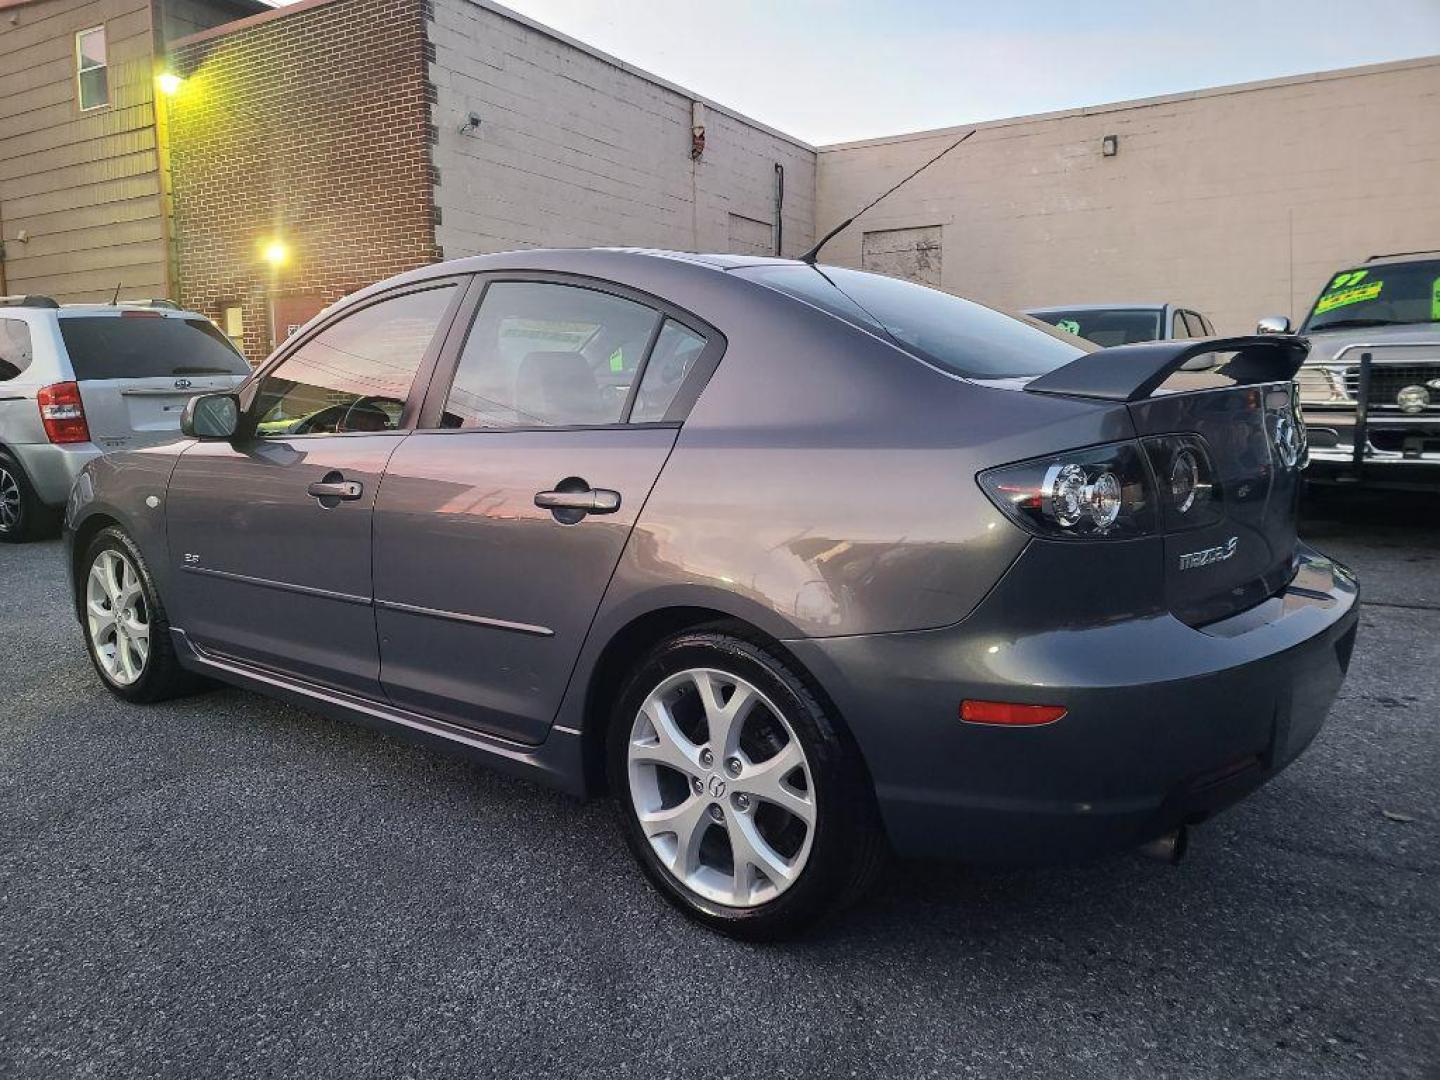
column 1111, row 326
column 147, row 346
column 16, row 349
column 959, row 336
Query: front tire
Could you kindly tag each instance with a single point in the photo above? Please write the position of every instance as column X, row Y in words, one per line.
column 744, row 803
column 127, row 632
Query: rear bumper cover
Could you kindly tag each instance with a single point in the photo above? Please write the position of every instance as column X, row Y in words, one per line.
column 1166, row 723
column 52, row 469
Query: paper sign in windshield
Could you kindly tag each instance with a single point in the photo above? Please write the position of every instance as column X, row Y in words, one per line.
column 1070, row 326
column 1354, row 294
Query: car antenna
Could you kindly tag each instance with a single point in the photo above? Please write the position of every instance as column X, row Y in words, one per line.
column 114, row 300
column 811, row 255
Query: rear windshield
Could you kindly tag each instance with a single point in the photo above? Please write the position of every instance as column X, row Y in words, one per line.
column 1379, row 296
column 147, row 347
column 1112, row 326
column 959, row 336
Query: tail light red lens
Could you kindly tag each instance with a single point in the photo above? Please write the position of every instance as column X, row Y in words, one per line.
column 1009, row 714
column 63, row 413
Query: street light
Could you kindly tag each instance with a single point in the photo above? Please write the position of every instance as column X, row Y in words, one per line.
column 275, row 253
column 170, row 83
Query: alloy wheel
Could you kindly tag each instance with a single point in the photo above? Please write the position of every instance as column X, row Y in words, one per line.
column 10, row 501
column 721, row 787
column 117, row 617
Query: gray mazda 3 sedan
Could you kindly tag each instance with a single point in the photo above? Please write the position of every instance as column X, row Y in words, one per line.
column 804, row 565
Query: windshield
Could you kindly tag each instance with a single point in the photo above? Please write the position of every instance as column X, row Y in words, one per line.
column 1379, row 296
column 147, row 347
column 1106, row 327
column 959, row 336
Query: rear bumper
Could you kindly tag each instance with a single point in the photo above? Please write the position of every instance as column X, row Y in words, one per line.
column 52, row 469
column 1166, row 723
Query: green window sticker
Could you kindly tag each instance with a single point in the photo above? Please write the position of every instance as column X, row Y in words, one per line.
column 1435, row 300
column 1352, row 277
column 1070, row 326
column 617, row 360
column 1348, row 294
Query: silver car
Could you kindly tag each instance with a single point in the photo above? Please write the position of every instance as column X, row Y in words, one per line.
column 803, row 564
column 83, row 380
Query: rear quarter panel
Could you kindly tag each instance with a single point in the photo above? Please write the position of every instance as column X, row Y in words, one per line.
column 824, row 484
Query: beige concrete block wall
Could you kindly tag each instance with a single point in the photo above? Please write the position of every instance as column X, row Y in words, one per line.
column 1237, row 200
column 576, row 148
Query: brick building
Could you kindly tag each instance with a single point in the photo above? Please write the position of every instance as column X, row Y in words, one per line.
column 306, row 151
column 366, row 137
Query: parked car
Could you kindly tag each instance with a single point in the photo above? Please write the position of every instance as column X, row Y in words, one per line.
column 1125, row 324
column 803, row 563
column 1381, row 425
column 86, row 379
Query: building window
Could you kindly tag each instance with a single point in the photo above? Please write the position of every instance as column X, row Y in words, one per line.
column 232, row 321
column 92, row 72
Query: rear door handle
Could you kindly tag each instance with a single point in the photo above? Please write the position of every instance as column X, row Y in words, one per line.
column 589, row 501
column 336, row 489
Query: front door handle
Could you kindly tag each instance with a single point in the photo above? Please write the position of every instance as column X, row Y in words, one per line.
column 570, row 506
column 336, row 489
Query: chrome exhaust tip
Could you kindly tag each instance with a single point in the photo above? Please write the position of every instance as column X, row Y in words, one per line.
column 1169, row 848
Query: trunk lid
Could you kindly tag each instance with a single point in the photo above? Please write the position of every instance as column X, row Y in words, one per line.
column 137, row 369
column 1246, row 551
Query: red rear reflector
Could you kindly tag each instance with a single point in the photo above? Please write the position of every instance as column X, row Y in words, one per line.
column 62, row 413
column 1008, row 713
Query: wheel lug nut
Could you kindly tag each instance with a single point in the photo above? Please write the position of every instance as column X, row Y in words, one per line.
column 716, row 812
column 741, row 801
column 707, row 758
column 698, row 786
column 733, row 766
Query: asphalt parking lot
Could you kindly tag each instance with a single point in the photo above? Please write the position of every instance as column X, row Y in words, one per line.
column 227, row 886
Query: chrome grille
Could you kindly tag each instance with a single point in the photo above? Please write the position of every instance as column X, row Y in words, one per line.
column 1387, row 380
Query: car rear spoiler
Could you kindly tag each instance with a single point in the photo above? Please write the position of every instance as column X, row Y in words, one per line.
column 1133, row 372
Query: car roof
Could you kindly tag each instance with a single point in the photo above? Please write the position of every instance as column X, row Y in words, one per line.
column 70, row 311
column 1147, row 305
column 1400, row 259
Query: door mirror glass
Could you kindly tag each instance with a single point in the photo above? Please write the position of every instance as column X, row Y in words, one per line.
column 211, row 416
column 1273, row 324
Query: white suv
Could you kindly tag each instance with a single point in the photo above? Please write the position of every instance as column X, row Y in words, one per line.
column 85, row 379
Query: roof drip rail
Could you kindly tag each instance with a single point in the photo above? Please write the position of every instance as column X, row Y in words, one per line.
column 31, row 300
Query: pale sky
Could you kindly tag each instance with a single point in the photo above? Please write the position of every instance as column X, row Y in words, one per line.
column 834, row 70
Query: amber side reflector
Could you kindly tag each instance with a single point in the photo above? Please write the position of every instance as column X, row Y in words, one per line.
column 1008, row 713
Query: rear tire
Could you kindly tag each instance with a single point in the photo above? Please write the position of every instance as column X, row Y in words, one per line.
column 23, row 516
column 714, row 796
column 127, row 632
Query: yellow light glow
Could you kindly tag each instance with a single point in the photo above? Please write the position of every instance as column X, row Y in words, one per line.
column 170, row 84
column 275, row 253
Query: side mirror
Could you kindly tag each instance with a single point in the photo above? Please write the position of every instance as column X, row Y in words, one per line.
column 1273, row 324
column 211, row 416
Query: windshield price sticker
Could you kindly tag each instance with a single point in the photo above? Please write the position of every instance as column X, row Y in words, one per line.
column 1348, row 294
column 1070, row 326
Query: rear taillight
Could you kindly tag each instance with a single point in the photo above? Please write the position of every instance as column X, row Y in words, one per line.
column 63, row 413
column 1189, row 490
column 1104, row 491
